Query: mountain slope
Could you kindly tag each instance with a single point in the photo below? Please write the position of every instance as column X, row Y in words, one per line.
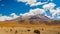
column 33, row 20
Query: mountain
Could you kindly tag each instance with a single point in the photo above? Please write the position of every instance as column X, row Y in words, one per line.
column 41, row 17
column 33, row 20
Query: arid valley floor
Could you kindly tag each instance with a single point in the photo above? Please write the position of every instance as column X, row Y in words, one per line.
column 16, row 28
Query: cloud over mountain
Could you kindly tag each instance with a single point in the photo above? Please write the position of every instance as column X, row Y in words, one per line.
column 34, row 12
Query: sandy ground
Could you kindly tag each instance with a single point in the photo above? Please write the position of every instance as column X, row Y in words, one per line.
column 29, row 30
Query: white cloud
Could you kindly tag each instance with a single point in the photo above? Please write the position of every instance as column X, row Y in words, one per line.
column 37, row 11
column 57, row 11
column 49, row 6
column 32, row 2
column 4, row 18
column 34, row 12
column 27, row 1
column 38, row 3
column 50, row 17
column 12, row 16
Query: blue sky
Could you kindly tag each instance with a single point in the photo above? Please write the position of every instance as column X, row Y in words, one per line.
column 13, row 6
